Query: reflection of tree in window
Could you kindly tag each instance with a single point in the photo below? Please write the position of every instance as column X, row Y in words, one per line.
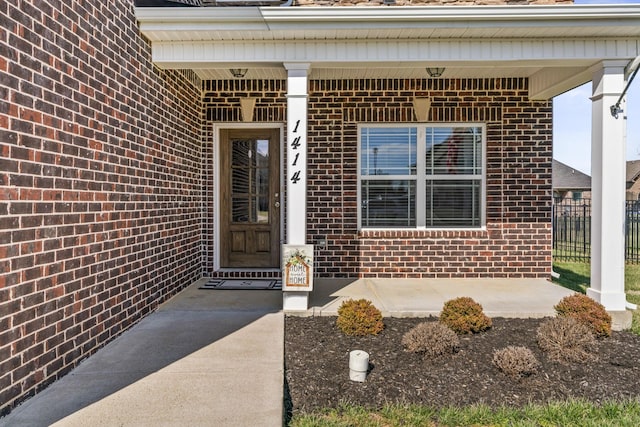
column 453, row 151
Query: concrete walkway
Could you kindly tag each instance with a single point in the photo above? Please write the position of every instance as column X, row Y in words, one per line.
column 204, row 358
column 216, row 358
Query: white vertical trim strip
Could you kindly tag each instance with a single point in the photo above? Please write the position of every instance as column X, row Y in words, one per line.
column 296, row 183
column 421, row 182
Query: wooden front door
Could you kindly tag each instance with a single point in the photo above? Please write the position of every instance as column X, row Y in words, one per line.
column 250, row 193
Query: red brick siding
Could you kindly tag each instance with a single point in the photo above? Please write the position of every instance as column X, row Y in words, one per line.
column 100, row 195
column 517, row 239
column 517, row 242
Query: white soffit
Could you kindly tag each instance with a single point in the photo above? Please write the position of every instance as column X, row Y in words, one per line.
column 554, row 45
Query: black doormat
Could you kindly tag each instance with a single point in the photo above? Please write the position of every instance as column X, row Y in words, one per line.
column 240, row 284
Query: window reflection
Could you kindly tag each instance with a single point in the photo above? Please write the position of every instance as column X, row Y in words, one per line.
column 448, row 176
column 388, row 151
column 250, row 181
column 453, row 151
column 388, row 203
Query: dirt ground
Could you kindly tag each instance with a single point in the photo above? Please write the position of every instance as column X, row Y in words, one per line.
column 317, row 368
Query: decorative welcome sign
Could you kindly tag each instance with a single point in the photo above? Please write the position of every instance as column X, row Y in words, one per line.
column 297, row 266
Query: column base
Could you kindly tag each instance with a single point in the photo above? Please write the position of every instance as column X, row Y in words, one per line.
column 295, row 301
column 612, row 301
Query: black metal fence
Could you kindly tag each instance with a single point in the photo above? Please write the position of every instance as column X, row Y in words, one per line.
column 572, row 230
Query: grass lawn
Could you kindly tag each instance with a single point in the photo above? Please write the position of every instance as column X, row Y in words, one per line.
column 576, row 276
column 567, row 414
column 573, row 275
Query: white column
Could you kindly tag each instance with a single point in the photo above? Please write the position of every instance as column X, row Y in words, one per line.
column 608, row 170
column 296, row 203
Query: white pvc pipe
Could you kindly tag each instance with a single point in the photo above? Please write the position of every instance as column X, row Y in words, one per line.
column 358, row 365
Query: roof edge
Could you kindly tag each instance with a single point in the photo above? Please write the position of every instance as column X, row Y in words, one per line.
column 382, row 14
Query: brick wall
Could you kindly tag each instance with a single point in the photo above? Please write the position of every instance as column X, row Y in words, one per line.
column 517, row 239
column 100, row 213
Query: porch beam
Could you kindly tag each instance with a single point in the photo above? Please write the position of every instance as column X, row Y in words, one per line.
column 364, row 53
column 608, row 160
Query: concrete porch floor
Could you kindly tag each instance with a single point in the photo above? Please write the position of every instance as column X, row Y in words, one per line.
column 425, row 297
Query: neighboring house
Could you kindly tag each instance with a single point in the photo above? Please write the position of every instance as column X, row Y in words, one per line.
column 570, row 183
column 633, row 181
column 144, row 148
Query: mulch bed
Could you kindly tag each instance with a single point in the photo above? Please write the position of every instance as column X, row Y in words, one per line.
column 317, row 368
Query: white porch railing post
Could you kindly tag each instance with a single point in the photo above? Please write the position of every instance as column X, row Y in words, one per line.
column 608, row 178
column 296, row 202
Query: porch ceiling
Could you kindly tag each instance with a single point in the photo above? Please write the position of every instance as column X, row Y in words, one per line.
column 555, row 46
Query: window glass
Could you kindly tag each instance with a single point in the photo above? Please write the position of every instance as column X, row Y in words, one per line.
column 388, row 203
column 453, row 151
column 453, row 203
column 440, row 188
column 388, row 151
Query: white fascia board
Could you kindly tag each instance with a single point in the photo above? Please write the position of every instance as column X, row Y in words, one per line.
column 332, row 18
column 448, row 14
column 189, row 19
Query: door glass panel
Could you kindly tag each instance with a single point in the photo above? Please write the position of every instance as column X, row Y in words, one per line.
column 241, row 152
column 250, row 181
column 262, row 180
column 240, row 209
column 240, row 181
column 262, row 202
column 262, row 150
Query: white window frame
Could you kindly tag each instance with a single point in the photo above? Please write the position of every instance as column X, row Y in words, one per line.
column 421, row 176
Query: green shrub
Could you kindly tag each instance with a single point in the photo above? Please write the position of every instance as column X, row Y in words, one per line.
column 586, row 311
column 566, row 340
column 431, row 339
column 359, row 317
column 515, row 361
column 464, row 316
